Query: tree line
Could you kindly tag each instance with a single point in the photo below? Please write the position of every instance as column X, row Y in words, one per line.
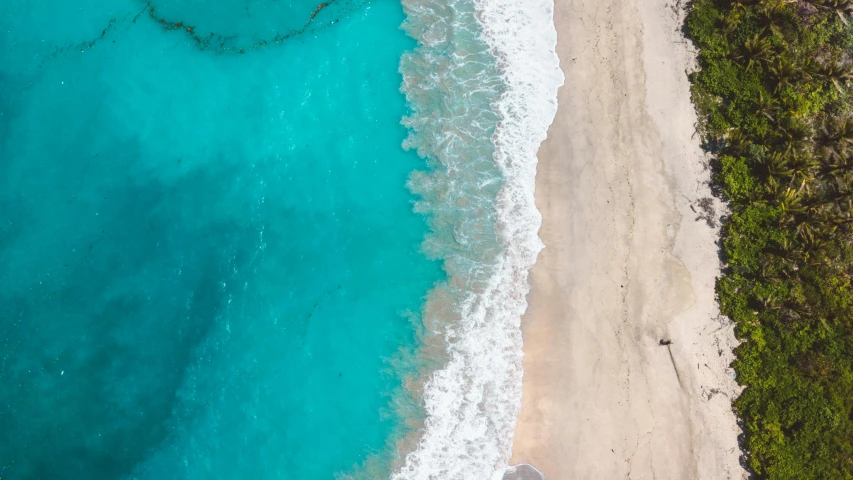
column 776, row 112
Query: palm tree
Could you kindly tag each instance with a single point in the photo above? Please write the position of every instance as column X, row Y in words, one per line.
column 794, row 134
column 809, row 233
column 769, row 11
column 841, row 199
column 783, row 71
column 742, row 6
column 790, row 255
column 738, row 141
column 839, row 6
column 835, row 217
column 837, row 75
column 776, row 165
column 732, row 20
column 832, row 71
column 834, row 136
column 790, row 206
column 767, row 107
column 837, row 169
column 755, row 49
column 739, row 8
column 802, row 168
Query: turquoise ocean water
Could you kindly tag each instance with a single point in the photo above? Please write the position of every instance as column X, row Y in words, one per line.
column 267, row 239
column 211, row 266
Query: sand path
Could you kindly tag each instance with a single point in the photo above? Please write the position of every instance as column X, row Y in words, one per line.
column 626, row 264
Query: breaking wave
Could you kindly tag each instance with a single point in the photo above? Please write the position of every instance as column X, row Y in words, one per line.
column 482, row 87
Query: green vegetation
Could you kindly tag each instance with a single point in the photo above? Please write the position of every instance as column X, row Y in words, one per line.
column 775, row 104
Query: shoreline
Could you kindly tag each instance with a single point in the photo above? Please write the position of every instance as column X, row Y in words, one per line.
column 630, row 260
column 478, row 195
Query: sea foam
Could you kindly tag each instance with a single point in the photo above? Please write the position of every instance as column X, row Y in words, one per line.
column 482, row 87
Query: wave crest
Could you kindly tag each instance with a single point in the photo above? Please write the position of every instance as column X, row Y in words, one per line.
column 482, row 87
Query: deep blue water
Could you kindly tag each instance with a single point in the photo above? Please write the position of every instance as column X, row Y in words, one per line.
column 209, row 260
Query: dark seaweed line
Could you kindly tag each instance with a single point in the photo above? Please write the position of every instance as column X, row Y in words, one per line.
column 213, row 42
column 82, row 46
column 219, row 44
column 90, row 43
column 86, row 45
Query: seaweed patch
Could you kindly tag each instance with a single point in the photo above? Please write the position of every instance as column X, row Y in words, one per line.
column 222, row 44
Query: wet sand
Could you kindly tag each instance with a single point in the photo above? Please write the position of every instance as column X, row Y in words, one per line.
column 628, row 262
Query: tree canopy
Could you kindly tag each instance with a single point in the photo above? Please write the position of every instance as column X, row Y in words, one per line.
column 776, row 113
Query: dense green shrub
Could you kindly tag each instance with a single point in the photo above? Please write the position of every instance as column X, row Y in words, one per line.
column 775, row 106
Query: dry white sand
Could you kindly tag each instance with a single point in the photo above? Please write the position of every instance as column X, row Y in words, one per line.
column 626, row 264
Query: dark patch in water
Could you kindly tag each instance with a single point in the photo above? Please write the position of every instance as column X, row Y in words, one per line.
column 99, row 329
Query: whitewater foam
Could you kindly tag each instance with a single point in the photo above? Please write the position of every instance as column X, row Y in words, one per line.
column 482, row 86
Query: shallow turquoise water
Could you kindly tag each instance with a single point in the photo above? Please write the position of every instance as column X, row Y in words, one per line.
column 209, row 259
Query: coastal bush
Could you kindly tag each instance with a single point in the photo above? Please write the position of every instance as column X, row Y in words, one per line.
column 737, row 177
column 776, row 112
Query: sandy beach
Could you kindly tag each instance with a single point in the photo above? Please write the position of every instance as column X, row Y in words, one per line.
column 630, row 260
